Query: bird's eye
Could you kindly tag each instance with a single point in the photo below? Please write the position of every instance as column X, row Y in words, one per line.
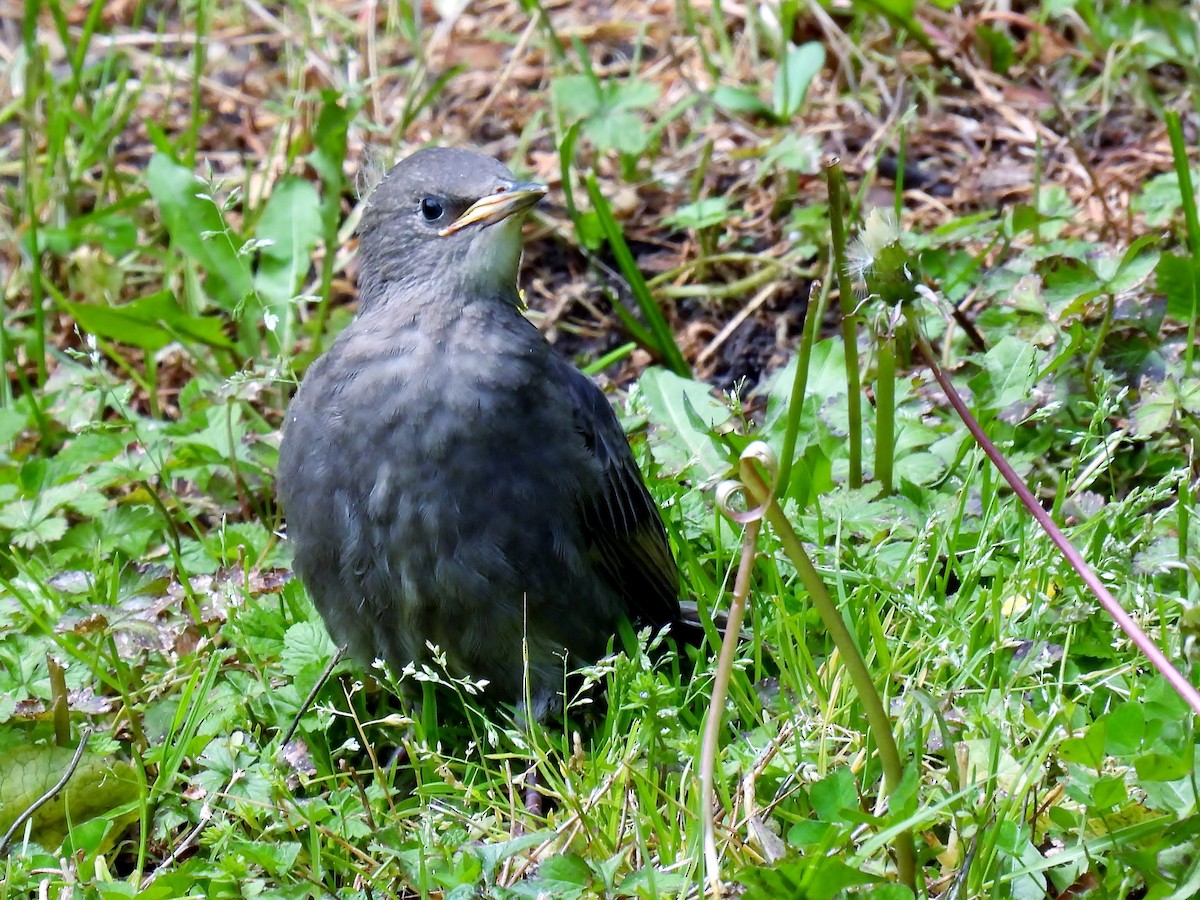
column 431, row 209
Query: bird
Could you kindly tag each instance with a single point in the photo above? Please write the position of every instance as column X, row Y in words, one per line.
column 449, row 481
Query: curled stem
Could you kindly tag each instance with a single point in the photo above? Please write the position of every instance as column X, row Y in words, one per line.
column 761, row 491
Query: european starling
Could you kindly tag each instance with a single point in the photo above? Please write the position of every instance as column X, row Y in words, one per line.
column 448, row 479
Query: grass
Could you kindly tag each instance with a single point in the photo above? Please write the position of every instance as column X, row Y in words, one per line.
column 180, row 249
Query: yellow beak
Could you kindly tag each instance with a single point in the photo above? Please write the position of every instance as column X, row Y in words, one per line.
column 496, row 207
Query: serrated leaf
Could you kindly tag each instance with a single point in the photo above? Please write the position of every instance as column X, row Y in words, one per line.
column 704, row 213
column 1010, row 369
column 577, row 95
column 1160, row 199
column 633, row 94
column 619, row 130
column 42, row 531
column 921, row 468
column 306, row 644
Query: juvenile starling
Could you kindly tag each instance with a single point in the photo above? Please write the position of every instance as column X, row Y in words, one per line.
column 448, row 479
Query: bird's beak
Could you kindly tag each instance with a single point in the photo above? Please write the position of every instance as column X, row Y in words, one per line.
column 499, row 206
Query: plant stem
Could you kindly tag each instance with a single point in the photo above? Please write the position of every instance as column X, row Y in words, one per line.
column 833, row 172
column 1173, row 676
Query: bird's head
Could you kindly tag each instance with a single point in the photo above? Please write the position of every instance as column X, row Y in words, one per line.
column 444, row 217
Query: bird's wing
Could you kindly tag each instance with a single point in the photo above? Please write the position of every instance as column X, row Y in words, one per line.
column 621, row 520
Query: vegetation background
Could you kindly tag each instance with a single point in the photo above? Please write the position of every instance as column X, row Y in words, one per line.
column 180, row 185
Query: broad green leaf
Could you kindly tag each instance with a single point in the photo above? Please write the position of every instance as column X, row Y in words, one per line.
column 1066, row 279
column 703, row 213
column 922, row 468
column 1162, row 766
column 635, row 93
column 1160, row 199
column 1010, row 368
column 1088, row 749
column 1109, row 791
column 199, row 232
column 578, row 96
column 739, row 100
column 834, row 794
column 305, row 645
column 99, row 784
column 565, row 872
column 800, row 66
column 150, row 322
column 619, row 130
column 291, row 222
column 1155, row 411
column 1179, row 278
column 1001, row 52
column 687, row 414
column 1136, row 264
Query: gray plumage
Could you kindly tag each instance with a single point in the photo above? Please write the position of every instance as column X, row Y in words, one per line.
column 447, row 478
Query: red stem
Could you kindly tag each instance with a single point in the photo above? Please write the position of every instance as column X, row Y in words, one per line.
column 1107, row 600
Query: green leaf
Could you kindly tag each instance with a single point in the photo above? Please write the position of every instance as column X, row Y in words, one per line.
column 1009, row 372
column 1126, row 728
column 1162, row 766
column 632, row 94
column 796, row 153
column 564, row 875
column 920, row 468
column 199, row 232
column 624, row 132
column 1178, row 277
column 1087, row 750
column 811, row 878
column 1135, row 266
column 109, row 228
column 799, row 68
column 704, row 213
column 1160, row 199
column 29, row 528
column 1156, row 410
column 291, row 222
column 1001, row 53
column 150, row 322
column 739, row 100
column 99, row 785
column 306, row 645
column 1066, row 279
column 1109, row 791
column 688, row 415
column 578, row 96
column 833, row 794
